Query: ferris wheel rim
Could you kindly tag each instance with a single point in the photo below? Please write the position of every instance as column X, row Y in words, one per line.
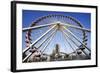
column 48, row 16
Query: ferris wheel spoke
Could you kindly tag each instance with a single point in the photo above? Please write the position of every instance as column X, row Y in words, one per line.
column 74, row 43
column 47, row 38
column 27, row 48
column 40, row 44
column 37, row 27
column 77, row 38
column 68, row 42
column 48, row 42
column 64, row 41
column 79, row 32
column 80, row 28
column 27, row 57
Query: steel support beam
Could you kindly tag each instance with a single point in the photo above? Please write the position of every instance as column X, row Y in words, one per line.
column 36, row 27
column 27, row 57
column 77, row 39
column 39, row 45
column 27, row 48
column 73, row 42
column 68, row 42
column 47, row 38
column 73, row 26
column 48, row 43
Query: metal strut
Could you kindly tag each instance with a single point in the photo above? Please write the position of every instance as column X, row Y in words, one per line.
column 77, row 38
column 48, row 43
column 36, row 27
column 68, row 42
column 27, row 48
column 80, row 28
column 39, row 46
column 47, row 38
column 27, row 57
column 73, row 41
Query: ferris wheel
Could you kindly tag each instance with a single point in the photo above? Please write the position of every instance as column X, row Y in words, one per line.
column 46, row 31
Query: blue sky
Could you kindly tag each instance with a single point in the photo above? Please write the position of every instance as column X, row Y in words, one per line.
column 30, row 16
